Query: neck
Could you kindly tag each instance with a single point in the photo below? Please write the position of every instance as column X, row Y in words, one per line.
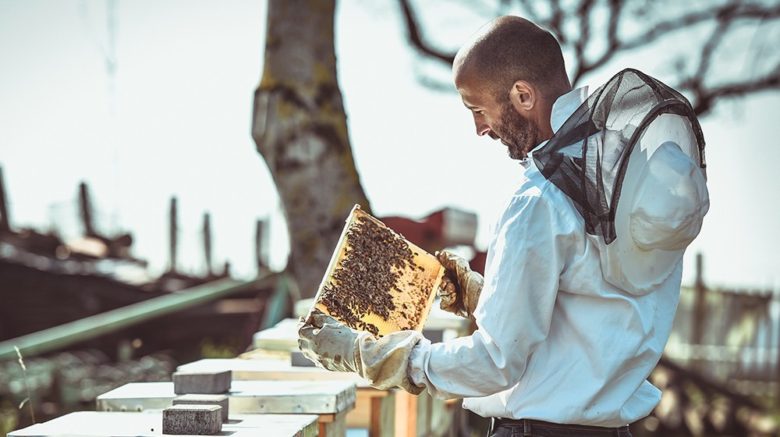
column 545, row 123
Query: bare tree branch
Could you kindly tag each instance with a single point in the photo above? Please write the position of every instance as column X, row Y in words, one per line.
column 555, row 23
column 704, row 99
column 730, row 11
column 583, row 13
column 558, row 20
column 615, row 10
column 413, row 33
column 583, row 67
column 696, row 82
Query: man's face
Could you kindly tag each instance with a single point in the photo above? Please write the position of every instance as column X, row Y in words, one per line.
column 516, row 132
column 500, row 121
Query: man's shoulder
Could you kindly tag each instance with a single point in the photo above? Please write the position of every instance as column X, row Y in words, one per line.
column 537, row 189
column 537, row 193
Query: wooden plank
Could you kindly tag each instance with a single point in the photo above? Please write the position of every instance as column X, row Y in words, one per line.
column 382, row 417
column 360, row 417
column 441, row 416
column 423, row 414
column 97, row 424
column 137, row 397
column 370, row 403
column 336, row 427
column 257, row 397
column 270, row 370
column 406, row 414
column 282, row 337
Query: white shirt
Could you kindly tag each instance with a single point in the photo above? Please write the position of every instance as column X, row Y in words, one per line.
column 555, row 341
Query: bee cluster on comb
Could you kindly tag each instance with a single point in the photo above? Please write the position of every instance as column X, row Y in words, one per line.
column 378, row 281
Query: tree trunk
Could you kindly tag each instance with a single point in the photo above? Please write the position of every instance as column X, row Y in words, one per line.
column 300, row 129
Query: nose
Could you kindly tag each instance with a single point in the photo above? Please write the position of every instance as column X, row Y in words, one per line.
column 482, row 127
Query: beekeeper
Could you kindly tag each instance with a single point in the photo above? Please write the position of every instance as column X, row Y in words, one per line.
column 583, row 271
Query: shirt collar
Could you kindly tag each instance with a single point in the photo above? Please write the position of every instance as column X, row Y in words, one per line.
column 565, row 106
column 562, row 109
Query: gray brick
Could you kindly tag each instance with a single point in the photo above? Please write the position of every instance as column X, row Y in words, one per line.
column 201, row 382
column 192, row 419
column 196, row 399
column 297, row 359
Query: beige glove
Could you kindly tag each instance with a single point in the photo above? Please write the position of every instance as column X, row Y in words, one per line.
column 337, row 347
column 460, row 287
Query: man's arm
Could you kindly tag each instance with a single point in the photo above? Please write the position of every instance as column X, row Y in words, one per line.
column 514, row 311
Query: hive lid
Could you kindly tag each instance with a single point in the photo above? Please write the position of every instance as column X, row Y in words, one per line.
column 377, row 281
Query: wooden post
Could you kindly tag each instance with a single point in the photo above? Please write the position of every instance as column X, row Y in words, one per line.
column 5, row 218
column 260, row 244
column 226, row 269
column 767, row 370
column 760, row 311
column 207, row 242
column 173, row 231
column 85, row 207
column 699, row 305
column 699, row 309
column 775, row 295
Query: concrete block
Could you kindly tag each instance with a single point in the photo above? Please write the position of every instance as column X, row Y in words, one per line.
column 202, row 382
column 297, row 359
column 196, row 399
column 192, row 419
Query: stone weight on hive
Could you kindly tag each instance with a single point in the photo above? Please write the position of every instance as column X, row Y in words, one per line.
column 377, row 281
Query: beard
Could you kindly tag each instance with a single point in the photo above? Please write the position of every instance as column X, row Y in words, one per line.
column 518, row 134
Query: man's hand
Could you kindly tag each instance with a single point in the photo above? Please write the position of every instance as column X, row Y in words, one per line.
column 329, row 343
column 337, row 347
column 460, row 287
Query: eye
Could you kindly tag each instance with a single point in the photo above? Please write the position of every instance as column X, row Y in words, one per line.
column 479, row 111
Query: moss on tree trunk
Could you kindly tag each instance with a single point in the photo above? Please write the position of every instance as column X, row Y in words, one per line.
column 300, row 129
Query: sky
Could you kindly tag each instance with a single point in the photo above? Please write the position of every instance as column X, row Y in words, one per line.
column 162, row 106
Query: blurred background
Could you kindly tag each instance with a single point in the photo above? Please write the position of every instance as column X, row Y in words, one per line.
column 152, row 148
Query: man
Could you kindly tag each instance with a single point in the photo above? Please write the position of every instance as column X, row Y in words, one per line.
column 583, row 272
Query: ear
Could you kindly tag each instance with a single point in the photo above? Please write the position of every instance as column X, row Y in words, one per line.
column 523, row 96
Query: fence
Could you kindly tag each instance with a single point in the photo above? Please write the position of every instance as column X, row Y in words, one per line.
column 730, row 335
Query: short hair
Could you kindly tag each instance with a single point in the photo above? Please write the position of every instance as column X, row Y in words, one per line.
column 511, row 48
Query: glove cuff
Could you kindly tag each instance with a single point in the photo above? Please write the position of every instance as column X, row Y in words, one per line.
column 472, row 288
column 384, row 361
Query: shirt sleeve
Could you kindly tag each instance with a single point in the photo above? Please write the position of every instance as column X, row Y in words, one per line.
column 513, row 313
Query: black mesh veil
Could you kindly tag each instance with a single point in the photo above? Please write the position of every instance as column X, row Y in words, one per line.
column 588, row 156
